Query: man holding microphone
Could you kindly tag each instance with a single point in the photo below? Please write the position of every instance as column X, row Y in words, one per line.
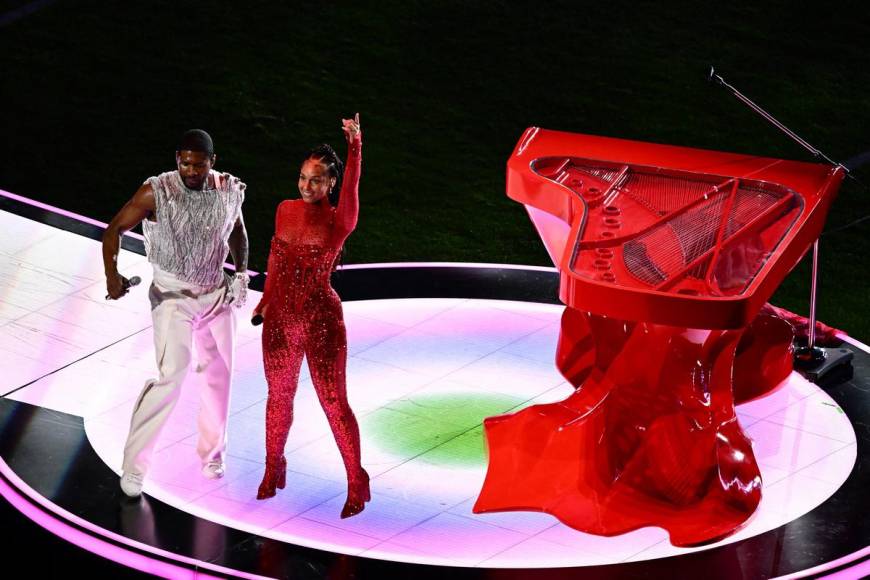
column 191, row 219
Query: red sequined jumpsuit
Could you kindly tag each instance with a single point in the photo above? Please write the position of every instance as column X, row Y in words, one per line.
column 304, row 317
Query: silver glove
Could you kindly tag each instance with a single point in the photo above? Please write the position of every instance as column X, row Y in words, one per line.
column 237, row 290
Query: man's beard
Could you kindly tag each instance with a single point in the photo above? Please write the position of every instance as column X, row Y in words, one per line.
column 193, row 183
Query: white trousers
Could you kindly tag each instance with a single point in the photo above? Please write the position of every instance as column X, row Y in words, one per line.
column 185, row 315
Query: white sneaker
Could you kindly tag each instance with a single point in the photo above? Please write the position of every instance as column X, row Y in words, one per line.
column 131, row 484
column 213, row 470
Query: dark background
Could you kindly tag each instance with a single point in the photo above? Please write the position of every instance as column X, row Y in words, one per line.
column 95, row 95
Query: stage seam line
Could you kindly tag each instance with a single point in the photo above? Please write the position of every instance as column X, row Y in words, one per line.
column 404, row 329
column 439, row 445
column 15, row 390
column 448, row 378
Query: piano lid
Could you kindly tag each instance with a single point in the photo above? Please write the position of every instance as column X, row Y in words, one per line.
column 670, row 235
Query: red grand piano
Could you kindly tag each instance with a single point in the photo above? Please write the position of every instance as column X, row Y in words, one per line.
column 666, row 257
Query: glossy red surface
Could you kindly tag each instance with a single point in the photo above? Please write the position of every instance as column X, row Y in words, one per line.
column 764, row 357
column 649, row 438
column 672, row 235
column 303, row 318
column 666, row 257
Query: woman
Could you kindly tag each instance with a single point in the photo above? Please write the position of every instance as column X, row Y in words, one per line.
column 302, row 313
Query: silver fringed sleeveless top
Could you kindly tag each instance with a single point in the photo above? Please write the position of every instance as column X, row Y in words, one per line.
column 189, row 238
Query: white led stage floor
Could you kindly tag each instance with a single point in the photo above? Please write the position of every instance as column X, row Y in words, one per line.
column 422, row 375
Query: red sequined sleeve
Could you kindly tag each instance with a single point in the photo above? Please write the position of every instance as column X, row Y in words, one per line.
column 271, row 266
column 348, row 201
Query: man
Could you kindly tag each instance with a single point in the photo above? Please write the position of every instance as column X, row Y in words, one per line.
column 191, row 219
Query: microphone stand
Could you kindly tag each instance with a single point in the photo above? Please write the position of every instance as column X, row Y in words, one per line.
column 812, row 361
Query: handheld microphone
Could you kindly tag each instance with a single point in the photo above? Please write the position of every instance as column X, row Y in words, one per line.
column 257, row 320
column 129, row 283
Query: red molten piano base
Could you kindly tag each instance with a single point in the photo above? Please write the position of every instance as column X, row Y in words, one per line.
column 650, row 436
column 654, row 243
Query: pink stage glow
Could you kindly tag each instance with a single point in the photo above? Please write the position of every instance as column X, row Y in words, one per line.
column 63, row 212
column 85, row 219
column 444, row 265
column 853, row 341
column 861, row 570
column 93, row 543
column 389, row 328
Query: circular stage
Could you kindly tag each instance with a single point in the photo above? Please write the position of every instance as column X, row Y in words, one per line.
column 423, row 374
column 433, row 350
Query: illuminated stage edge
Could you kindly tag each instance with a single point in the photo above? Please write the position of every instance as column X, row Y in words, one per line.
column 485, row 282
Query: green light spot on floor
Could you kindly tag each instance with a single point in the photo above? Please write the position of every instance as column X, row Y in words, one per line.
column 440, row 429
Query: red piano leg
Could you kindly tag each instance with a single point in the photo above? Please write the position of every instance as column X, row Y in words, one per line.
column 765, row 357
column 648, row 438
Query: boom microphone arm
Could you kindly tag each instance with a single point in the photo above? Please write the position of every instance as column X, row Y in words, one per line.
column 714, row 78
column 815, row 361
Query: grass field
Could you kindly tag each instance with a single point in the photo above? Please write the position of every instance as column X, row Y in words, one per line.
column 95, row 95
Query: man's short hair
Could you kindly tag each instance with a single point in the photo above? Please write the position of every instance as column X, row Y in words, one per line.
column 196, row 140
